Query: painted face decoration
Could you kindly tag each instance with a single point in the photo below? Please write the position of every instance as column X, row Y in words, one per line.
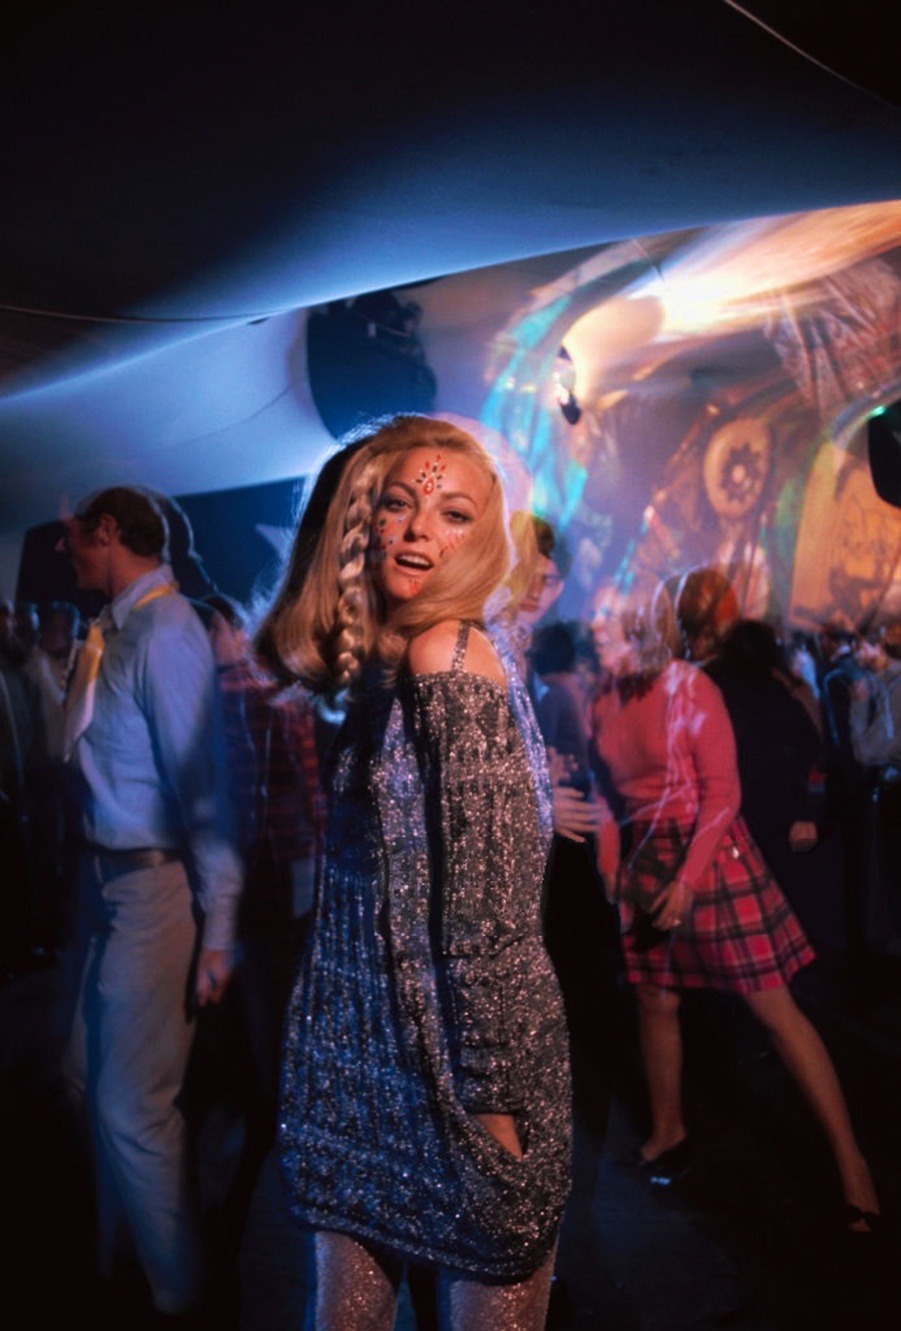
column 431, row 475
column 427, row 509
column 380, row 540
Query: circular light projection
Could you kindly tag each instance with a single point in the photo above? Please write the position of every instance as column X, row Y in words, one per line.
column 736, row 465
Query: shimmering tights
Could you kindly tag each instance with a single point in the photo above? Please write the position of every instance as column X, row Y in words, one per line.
column 357, row 1292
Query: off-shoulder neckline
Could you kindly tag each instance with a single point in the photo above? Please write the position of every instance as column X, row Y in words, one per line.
column 501, row 686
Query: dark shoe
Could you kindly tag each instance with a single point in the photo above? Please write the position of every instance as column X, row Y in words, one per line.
column 853, row 1215
column 667, row 1167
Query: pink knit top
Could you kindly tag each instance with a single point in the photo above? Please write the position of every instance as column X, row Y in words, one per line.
column 671, row 757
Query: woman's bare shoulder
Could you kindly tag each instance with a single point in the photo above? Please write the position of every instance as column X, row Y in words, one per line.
column 432, row 652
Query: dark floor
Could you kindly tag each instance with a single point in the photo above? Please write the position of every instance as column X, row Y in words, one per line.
column 748, row 1240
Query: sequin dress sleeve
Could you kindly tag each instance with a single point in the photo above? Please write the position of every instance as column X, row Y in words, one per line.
column 427, row 995
column 480, row 850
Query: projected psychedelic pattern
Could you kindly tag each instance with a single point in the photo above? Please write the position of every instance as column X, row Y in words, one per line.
column 701, row 398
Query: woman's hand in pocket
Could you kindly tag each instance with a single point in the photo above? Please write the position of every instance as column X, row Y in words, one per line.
column 503, row 1130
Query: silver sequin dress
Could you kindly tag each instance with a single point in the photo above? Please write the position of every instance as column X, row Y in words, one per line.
column 426, row 995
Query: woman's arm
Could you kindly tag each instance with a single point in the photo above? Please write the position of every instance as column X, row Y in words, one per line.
column 712, row 744
column 481, row 828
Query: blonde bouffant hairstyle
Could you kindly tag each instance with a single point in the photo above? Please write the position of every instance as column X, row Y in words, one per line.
column 648, row 622
column 337, row 620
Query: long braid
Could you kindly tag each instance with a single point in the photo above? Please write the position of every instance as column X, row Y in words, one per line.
column 350, row 645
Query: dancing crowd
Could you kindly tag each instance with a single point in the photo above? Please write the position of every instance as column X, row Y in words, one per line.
column 402, row 839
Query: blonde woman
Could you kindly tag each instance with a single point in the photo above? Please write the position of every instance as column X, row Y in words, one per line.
column 425, row 1113
column 698, row 905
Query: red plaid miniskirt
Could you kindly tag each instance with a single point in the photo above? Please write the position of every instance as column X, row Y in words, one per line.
column 740, row 934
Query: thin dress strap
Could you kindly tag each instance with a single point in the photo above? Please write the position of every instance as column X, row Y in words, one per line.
column 460, row 646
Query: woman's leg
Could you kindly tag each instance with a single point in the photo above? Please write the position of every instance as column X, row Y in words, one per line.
column 661, row 1047
column 474, row 1306
column 354, row 1291
column 798, row 1044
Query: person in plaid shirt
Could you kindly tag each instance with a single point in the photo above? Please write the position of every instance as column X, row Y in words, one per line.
column 698, row 905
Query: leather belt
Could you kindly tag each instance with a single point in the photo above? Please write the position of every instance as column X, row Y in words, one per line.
column 111, row 864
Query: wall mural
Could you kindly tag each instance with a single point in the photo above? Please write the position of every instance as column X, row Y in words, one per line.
column 687, row 399
column 702, row 397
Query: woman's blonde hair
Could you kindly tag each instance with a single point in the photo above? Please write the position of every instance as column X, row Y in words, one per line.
column 337, row 619
column 648, row 622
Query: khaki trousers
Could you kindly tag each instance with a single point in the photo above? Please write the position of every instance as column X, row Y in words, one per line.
column 127, row 1056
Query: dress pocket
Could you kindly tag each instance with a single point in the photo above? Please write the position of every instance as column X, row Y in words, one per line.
column 490, row 1152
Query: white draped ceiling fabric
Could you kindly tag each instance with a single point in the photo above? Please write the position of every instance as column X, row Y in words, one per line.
column 181, row 189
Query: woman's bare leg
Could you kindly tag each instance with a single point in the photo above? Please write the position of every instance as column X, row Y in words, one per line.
column 661, row 1047
column 798, row 1044
column 354, row 1292
column 521, row 1307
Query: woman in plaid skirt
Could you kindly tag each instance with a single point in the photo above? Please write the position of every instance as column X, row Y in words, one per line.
column 698, row 906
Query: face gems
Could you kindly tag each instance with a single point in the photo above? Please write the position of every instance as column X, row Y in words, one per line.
column 428, row 507
column 431, row 475
column 380, row 540
column 453, row 541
